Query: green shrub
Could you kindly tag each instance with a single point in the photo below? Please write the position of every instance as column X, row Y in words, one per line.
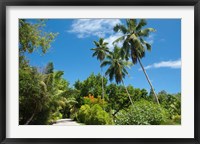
column 56, row 116
column 177, row 119
column 142, row 113
column 83, row 113
column 94, row 115
column 91, row 100
column 42, row 118
column 74, row 114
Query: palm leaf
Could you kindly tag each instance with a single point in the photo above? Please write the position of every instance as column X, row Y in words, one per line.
column 96, row 43
column 119, row 28
column 105, row 63
column 146, row 32
column 148, row 46
column 101, row 41
column 110, row 72
column 94, row 54
column 131, row 23
column 134, row 56
column 119, row 39
column 132, row 36
column 136, row 43
column 128, row 64
column 125, row 71
column 141, row 24
column 125, row 50
column 105, row 43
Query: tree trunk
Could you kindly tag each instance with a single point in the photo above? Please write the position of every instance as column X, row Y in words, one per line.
column 127, row 93
column 30, row 119
column 102, row 87
column 121, row 107
column 148, row 81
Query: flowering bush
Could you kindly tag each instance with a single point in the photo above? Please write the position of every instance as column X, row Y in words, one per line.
column 91, row 100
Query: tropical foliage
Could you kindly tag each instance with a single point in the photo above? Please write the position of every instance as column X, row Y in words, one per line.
column 143, row 113
column 101, row 99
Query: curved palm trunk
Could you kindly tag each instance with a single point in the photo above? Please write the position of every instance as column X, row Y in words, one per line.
column 127, row 92
column 148, row 80
column 32, row 116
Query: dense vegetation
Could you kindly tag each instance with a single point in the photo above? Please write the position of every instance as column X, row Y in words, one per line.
column 45, row 96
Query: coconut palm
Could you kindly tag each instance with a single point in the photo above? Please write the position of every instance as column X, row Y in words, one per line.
column 134, row 44
column 116, row 68
column 100, row 52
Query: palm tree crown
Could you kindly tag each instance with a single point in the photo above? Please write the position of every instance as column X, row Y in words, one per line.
column 101, row 49
column 117, row 66
column 134, row 45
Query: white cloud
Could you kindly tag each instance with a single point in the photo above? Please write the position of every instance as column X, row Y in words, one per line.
column 112, row 38
column 93, row 27
column 165, row 64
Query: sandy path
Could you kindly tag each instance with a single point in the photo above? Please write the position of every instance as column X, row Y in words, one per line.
column 67, row 122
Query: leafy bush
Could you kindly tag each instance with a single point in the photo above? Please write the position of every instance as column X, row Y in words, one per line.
column 94, row 115
column 172, row 103
column 177, row 119
column 83, row 113
column 142, row 113
column 91, row 100
column 42, row 117
column 74, row 116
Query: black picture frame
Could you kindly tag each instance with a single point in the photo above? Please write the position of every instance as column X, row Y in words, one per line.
column 5, row 3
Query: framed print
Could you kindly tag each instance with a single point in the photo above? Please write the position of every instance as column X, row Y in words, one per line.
column 99, row 71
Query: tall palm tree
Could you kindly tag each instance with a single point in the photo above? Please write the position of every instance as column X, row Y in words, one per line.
column 116, row 68
column 134, row 45
column 100, row 52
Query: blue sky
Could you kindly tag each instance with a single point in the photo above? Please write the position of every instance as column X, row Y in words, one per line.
column 70, row 52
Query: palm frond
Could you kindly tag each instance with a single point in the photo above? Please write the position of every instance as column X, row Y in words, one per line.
column 120, row 28
column 125, row 71
column 110, row 56
column 132, row 36
column 94, row 54
column 93, row 48
column 125, row 50
column 105, row 43
column 148, row 46
column 134, row 56
column 131, row 23
column 146, row 32
column 101, row 41
column 110, row 72
column 105, row 63
column 141, row 23
column 128, row 64
column 96, row 43
column 136, row 43
column 58, row 74
column 119, row 39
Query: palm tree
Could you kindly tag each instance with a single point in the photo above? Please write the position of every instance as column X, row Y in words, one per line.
column 116, row 68
column 100, row 52
column 134, row 45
